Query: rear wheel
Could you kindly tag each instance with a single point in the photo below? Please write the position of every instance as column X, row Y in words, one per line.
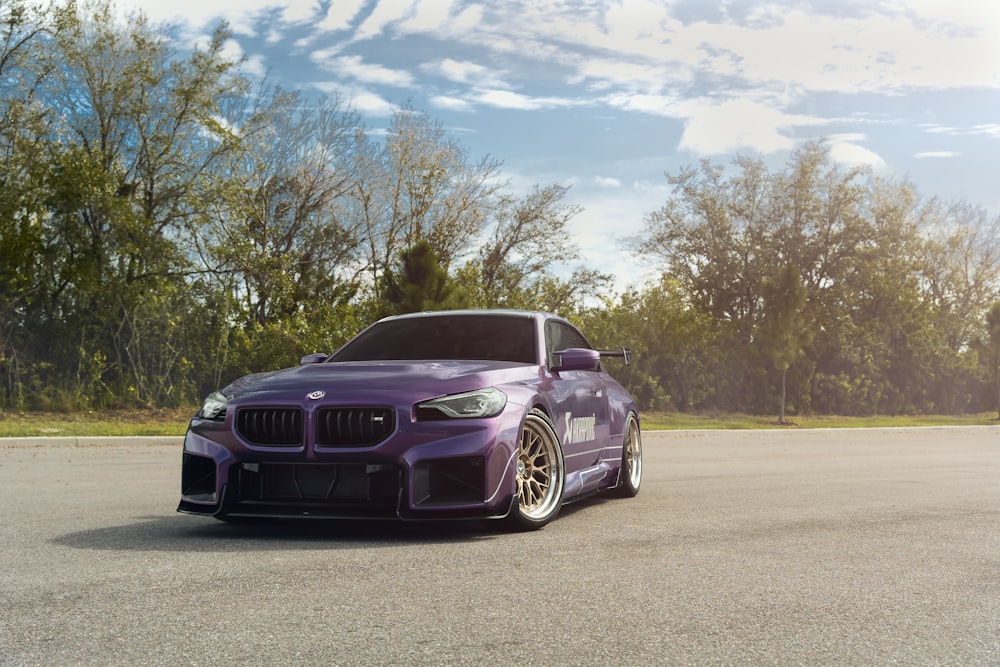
column 541, row 474
column 631, row 472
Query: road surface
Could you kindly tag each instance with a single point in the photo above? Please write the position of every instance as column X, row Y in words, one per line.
column 831, row 547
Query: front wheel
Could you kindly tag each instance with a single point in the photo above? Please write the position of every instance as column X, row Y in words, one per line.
column 541, row 474
column 630, row 474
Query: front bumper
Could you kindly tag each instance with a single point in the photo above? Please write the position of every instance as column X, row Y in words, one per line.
column 438, row 470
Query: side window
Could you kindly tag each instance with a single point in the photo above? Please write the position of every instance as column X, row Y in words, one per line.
column 561, row 336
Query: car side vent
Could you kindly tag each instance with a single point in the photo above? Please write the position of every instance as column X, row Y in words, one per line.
column 354, row 427
column 270, row 427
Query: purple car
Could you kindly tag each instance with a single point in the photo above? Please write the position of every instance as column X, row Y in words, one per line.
column 443, row 415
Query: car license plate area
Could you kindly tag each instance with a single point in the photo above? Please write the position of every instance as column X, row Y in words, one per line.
column 317, row 482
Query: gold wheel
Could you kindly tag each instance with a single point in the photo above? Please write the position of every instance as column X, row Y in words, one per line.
column 540, row 473
column 631, row 472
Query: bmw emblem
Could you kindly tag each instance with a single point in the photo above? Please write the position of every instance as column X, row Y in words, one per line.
column 316, row 395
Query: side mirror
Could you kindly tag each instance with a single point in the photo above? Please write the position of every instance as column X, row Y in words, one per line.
column 316, row 358
column 577, row 359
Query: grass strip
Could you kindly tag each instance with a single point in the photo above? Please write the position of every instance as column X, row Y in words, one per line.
column 173, row 422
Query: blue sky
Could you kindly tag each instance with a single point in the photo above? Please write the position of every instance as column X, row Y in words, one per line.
column 608, row 95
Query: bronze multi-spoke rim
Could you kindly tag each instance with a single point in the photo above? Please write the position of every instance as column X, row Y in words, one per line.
column 539, row 470
column 633, row 453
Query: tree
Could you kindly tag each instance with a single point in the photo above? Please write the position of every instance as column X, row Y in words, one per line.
column 783, row 332
column 530, row 241
column 993, row 336
column 419, row 184
column 123, row 133
column 889, row 302
column 131, row 157
column 961, row 278
column 23, row 26
column 529, row 236
column 280, row 230
column 675, row 347
column 419, row 283
column 713, row 235
column 282, row 241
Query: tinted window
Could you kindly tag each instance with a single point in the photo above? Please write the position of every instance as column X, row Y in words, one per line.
column 492, row 337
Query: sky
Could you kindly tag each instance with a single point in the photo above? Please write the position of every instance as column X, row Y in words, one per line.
column 609, row 96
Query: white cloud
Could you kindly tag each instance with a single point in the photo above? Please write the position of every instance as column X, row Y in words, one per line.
column 607, row 182
column 640, row 45
column 649, row 188
column 657, row 105
column 650, row 78
column 938, row 129
column 846, row 148
column 429, row 16
column 936, row 154
column 341, row 14
column 467, row 19
column 847, row 152
column 991, row 130
column 255, row 65
column 712, row 128
column 365, row 101
column 465, row 72
column 506, row 99
column 372, row 104
column 298, row 11
column 638, row 19
column 883, row 51
column 754, row 75
column 355, row 68
column 323, row 56
column 448, row 103
column 197, row 14
column 385, row 13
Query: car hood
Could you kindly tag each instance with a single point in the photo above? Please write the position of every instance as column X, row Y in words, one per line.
column 383, row 382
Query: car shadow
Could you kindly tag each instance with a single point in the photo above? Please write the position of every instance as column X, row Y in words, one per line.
column 198, row 534
column 206, row 535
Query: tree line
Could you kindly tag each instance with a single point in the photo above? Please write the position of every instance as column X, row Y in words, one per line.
column 168, row 223
column 818, row 287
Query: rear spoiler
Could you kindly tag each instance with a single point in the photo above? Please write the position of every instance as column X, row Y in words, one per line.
column 622, row 353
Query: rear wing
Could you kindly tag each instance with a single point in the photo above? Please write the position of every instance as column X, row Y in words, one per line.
column 621, row 353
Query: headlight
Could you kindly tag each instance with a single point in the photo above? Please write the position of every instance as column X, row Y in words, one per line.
column 486, row 402
column 214, row 406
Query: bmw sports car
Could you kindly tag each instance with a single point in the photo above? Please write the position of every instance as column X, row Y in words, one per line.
column 442, row 415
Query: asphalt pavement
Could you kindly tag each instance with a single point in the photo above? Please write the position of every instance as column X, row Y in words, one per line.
column 837, row 547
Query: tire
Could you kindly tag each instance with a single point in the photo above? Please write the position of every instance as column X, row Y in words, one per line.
column 630, row 474
column 541, row 473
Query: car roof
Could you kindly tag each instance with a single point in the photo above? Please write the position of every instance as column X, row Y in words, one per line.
column 475, row 312
column 482, row 312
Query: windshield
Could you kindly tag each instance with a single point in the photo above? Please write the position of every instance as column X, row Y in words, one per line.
column 472, row 337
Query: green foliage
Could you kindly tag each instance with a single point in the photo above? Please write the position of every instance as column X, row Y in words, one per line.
column 674, row 345
column 880, row 322
column 993, row 341
column 783, row 331
column 419, row 283
column 166, row 225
